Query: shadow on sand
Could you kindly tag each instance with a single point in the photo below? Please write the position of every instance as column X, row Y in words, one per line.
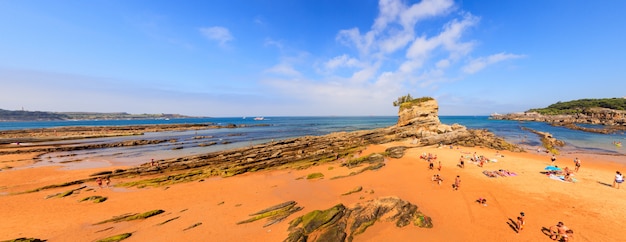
column 606, row 184
column 513, row 225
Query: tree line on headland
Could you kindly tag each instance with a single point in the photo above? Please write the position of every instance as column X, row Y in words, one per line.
column 579, row 106
column 22, row 115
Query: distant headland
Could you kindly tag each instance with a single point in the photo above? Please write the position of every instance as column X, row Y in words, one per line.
column 610, row 112
column 22, row 115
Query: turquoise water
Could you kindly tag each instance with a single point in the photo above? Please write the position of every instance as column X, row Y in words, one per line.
column 188, row 142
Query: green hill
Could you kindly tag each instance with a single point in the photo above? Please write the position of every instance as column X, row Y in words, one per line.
column 579, row 106
column 6, row 115
column 20, row 115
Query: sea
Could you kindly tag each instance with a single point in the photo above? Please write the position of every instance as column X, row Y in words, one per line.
column 184, row 143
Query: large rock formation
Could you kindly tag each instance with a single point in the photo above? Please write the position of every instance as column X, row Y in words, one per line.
column 420, row 113
column 340, row 223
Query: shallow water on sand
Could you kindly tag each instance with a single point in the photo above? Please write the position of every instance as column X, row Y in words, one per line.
column 185, row 143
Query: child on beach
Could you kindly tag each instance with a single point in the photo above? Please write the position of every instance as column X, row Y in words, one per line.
column 457, row 183
column 107, row 181
column 577, row 164
column 619, row 178
column 439, row 166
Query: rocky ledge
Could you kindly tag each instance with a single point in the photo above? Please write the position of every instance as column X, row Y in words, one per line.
column 340, row 223
column 601, row 116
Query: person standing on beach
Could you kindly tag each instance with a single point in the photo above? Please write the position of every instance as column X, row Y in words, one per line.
column 107, row 181
column 461, row 162
column 577, row 164
column 457, row 183
column 520, row 222
column 99, row 182
column 553, row 159
column 439, row 166
column 619, row 178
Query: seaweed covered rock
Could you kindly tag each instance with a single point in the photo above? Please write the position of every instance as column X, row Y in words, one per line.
column 396, row 152
column 339, row 223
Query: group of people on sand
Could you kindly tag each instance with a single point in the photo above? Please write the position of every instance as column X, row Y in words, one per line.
column 439, row 179
column 558, row 232
column 106, row 180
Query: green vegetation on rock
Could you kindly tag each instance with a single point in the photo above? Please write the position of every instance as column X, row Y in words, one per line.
column 408, row 99
column 170, row 179
column 274, row 214
column 314, row 219
column 95, row 199
column 169, row 220
column 116, row 238
column 25, row 240
column 577, row 106
column 355, row 190
column 130, row 217
column 314, row 175
column 193, row 226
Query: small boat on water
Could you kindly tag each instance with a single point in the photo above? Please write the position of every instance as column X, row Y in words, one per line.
column 259, row 118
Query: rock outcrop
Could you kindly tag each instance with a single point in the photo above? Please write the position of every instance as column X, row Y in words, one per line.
column 602, row 116
column 340, row 223
column 419, row 113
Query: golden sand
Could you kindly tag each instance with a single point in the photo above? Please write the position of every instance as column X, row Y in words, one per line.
column 591, row 207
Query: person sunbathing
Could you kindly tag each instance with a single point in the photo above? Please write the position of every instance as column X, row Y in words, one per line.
column 560, row 232
column 482, row 201
column 437, row 178
column 490, row 173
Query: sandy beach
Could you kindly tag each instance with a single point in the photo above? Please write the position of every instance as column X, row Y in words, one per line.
column 208, row 210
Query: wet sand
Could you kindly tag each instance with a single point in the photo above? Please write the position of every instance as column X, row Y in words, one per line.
column 591, row 207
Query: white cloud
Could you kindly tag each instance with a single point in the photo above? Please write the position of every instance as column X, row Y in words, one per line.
column 389, row 58
column 284, row 70
column 342, row 61
column 478, row 64
column 217, row 33
column 394, row 27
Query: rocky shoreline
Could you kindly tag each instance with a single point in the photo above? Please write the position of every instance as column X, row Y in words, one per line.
column 613, row 121
column 419, row 123
column 83, row 132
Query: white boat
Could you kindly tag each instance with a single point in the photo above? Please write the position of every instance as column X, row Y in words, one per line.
column 259, row 118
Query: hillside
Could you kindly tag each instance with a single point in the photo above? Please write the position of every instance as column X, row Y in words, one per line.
column 21, row 115
column 6, row 115
column 606, row 111
column 581, row 105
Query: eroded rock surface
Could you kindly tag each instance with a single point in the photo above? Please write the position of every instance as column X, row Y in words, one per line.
column 341, row 223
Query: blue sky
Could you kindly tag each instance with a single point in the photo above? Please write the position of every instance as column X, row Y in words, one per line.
column 307, row 58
